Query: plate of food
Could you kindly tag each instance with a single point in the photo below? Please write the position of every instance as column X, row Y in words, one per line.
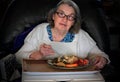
column 69, row 62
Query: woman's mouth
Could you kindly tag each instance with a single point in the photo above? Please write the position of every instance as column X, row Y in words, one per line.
column 63, row 24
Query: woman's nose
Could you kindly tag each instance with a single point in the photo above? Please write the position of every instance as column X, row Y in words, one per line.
column 65, row 19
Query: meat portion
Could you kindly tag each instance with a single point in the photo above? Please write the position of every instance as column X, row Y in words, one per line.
column 68, row 59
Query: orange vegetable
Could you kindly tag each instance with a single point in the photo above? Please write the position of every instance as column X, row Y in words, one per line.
column 71, row 65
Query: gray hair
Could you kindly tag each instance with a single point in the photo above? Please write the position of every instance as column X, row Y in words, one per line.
column 77, row 24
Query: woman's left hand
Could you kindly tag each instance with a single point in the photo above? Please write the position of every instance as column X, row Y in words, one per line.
column 99, row 62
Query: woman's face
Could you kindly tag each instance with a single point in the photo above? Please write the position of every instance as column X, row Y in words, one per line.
column 64, row 18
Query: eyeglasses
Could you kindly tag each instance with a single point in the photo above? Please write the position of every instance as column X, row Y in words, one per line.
column 63, row 15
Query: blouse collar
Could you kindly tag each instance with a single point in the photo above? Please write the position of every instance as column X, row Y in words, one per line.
column 68, row 38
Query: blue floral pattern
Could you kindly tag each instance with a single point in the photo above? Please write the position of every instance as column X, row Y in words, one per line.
column 68, row 38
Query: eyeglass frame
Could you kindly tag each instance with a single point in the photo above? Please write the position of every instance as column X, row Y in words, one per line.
column 64, row 15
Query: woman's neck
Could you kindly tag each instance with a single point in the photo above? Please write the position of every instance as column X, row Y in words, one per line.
column 57, row 34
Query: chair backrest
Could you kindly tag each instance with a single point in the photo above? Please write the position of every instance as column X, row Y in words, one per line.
column 24, row 14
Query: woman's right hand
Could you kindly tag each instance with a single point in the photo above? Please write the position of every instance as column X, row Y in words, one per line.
column 46, row 50
column 36, row 55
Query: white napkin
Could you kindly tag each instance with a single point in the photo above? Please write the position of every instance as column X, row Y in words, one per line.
column 62, row 48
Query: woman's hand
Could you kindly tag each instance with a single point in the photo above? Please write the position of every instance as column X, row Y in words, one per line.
column 36, row 55
column 99, row 62
column 46, row 50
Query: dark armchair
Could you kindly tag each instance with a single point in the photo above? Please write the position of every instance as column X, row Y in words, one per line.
column 21, row 16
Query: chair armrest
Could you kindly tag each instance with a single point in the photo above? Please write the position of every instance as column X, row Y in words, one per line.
column 9, row 68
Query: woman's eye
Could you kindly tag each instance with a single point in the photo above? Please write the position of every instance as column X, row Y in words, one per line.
column 71, row 17
column 62, row 14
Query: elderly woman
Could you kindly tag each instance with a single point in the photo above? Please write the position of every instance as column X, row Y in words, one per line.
column 62, row 35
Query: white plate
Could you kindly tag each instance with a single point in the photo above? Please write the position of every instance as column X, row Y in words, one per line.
column 61, row 67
